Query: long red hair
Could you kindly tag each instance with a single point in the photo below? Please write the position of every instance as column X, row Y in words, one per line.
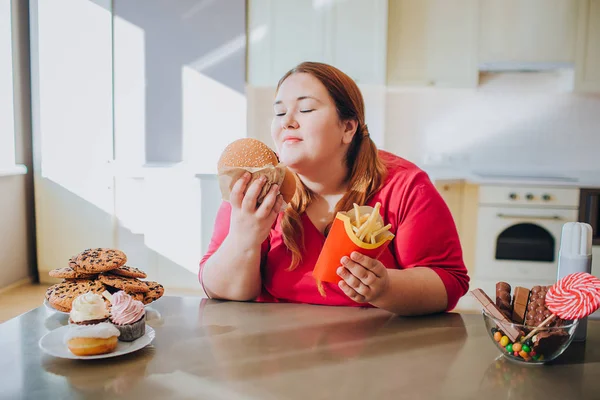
column 366, row 172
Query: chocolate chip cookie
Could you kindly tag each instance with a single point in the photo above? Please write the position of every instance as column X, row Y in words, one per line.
column 61, row 298
column 73, row 262
column 136, row 296
column 128, row 271
column 50, row 290
column 69, row 273
column 93, row 261
column 155, row 291
column 129, row 285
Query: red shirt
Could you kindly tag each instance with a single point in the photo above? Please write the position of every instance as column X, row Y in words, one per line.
column 425, row 232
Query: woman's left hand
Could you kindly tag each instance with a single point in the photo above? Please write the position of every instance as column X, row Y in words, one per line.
column 364, row 279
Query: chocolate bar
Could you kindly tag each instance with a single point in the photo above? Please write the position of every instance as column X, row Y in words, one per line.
column 537, row 311
column 503, row 299
column 520, row 300
column 504, row 324
column 547, row 343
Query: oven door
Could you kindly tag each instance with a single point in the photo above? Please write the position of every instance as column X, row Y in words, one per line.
column 519, row 244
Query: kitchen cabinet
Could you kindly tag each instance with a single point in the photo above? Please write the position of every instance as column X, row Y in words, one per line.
column 452, row 193
column 432, row 43
column 587, row 60
column 462, row 199
column 596, row 261
column 350, row 35
column 534, row 31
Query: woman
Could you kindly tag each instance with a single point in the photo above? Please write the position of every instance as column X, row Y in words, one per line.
column 319, row 130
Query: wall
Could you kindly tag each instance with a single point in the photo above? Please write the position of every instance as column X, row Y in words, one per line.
column 521, row 132
column 526, row 125
column 17, row 238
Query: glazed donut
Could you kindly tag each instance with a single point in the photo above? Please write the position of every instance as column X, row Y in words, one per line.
column 89, row 340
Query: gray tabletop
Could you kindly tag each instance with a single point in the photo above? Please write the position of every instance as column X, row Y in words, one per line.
column 228, row 350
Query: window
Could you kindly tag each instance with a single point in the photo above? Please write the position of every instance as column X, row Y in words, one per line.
column 7, row 115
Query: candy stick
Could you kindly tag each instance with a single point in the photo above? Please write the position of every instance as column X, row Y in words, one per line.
column 504, row 323
column 539, row 327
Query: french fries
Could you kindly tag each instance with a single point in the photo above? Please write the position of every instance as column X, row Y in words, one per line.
column 368, row 227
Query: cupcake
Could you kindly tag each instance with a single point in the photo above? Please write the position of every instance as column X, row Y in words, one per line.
column 88, row 309
column 128, row 315
column 90, row 340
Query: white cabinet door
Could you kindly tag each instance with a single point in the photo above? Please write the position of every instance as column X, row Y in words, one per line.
column 532, row 31
column 452, row 43
column 71, row 56
column 358, row 39
column 298, row 35
column 432, row 42
column 350, row 35
column 283, row 33
column 407, row 42
column 587, row 67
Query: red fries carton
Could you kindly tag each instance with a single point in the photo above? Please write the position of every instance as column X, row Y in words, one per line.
column 368, row 236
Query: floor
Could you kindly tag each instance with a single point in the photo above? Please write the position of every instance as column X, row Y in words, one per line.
column 19, row 300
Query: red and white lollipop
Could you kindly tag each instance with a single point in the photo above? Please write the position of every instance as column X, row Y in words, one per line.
column 573, row 297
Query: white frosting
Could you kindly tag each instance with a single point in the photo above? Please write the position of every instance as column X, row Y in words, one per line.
column 87, row 307
column 103, row 330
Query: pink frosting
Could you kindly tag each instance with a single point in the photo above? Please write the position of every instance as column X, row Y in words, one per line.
column 125, row 310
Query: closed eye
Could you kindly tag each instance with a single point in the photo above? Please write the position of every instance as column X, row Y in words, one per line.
column 306, row 111
column 279, row 114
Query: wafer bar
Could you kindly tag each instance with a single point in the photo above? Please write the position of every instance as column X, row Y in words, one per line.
column 504, row 323
column 503, row 298
column 519, row 307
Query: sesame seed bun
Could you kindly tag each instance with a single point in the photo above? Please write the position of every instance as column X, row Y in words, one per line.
column 252, row 153
column 247, row 152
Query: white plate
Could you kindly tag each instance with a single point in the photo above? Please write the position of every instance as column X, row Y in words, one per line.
column 49, row 307
column 53, row 344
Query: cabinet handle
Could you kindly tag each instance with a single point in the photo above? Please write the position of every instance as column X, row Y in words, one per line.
column 542, row 217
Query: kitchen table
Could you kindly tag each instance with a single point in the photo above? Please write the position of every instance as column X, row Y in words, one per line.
column 207, row 349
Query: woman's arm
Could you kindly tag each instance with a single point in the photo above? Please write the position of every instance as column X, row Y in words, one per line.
column 233, row 271
column 431, row 275
column 414, row 291
column 231, row 268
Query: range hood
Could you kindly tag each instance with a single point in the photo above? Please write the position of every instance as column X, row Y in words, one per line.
column 528, row 80
column 505, row 66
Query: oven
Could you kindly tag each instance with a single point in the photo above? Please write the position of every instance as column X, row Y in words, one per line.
column 518, row 233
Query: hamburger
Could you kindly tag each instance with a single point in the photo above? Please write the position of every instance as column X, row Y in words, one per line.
column 252, row 155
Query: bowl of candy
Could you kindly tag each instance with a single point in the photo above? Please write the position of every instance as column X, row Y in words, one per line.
column 537, row 325
column 544, row 345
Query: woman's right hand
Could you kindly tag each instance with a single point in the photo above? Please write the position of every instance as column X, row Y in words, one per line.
column 251, row 222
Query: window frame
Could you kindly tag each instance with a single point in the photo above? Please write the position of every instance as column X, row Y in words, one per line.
column 7, row 99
